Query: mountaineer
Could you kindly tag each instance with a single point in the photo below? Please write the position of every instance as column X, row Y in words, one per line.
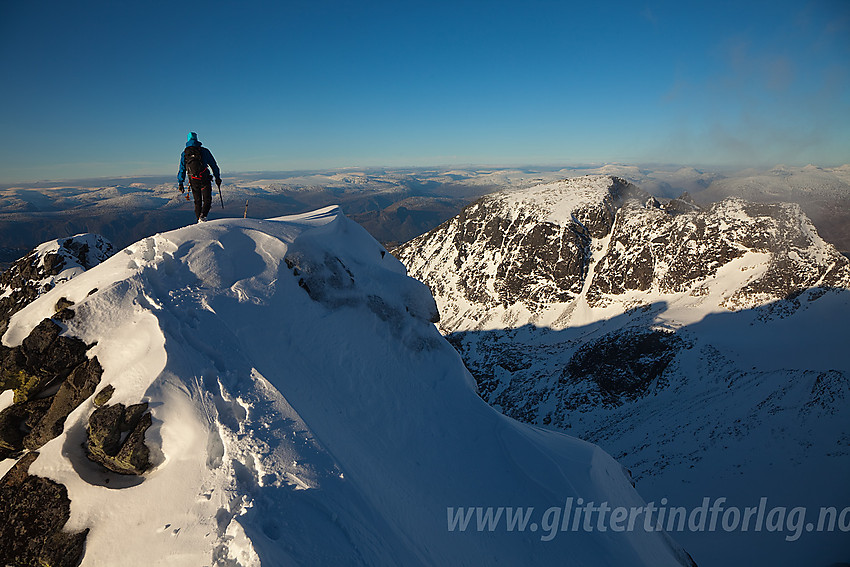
column 196, row 161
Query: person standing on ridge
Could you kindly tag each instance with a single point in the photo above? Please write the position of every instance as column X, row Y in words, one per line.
column 197, row 161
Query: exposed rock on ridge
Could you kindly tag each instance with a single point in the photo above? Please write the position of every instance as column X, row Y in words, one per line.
column 45, row 359
column 34, row 511
column 51, row 376
column 45, row 267
column 116, row 438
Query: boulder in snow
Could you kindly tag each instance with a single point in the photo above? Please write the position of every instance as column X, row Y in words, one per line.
column 116, row 438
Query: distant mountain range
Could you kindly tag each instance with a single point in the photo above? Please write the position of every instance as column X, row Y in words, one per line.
column 394, row 205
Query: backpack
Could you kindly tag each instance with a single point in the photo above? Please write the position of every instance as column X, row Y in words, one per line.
column 197, row 169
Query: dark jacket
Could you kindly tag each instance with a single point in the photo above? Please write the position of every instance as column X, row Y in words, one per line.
column 209, row 160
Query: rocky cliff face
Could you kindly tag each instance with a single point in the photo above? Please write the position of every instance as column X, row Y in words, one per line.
column 530, row 248
column 535, row 256
column 592, row 253
column 679, row 338
column 678, row 249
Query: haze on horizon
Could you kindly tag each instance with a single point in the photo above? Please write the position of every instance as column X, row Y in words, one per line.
column 110, row 90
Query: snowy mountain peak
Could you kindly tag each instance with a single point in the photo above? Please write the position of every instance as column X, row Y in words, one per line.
column 527, row 248
column 301, row 409
column 682, row 339
column 558, row 202
column 561, row 252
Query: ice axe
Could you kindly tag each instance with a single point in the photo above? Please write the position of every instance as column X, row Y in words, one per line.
column 218, row 183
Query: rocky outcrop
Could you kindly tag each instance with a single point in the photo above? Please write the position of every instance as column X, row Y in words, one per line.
column 50, row 356
column 43, row 357
column 525, row 255
column 45, row 267
column 15, row 423
column 44, row 360
column 34, row 511
column 116, row 438
column 518, row 256
column 81, row 384
column 623, row 365
column 51, row 375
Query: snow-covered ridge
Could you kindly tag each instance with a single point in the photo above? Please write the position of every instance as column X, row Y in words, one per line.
column 554, row 202
column 305, row 411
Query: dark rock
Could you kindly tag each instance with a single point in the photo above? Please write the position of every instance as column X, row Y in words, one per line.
column 41, row 337
column 34, row 511
column 16, row 421
column 548, row 252
column 63, row 303
column 134, row 455
column 104, row 430
column 74, row 390
column 623, row 364
column 64, row 549
column 43, row 357
column 12, row 363
column 104, row 395
column 53, row 263
column 132, row 415
column 50, row 356
column 105, row 445
column 13, row 352
column 64, row 315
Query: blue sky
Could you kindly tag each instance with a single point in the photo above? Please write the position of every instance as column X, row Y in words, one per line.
column 96, row 89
